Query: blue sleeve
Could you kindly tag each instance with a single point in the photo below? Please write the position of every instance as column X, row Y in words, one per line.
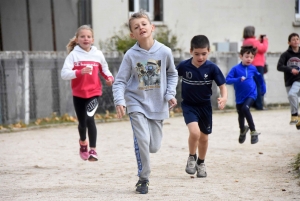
column 231, row 79
column 219, row 77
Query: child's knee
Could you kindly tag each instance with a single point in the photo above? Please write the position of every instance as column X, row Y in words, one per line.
column 203, row 138
column 154, row 149
column 195, row 136
column 245, row 109
column 292, row 95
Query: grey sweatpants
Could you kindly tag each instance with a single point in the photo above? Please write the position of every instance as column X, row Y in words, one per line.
column 293, row 92
column 147, row 137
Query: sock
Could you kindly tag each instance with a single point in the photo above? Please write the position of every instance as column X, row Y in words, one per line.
column 295, row 114
column 195, row 156
column 199, row 161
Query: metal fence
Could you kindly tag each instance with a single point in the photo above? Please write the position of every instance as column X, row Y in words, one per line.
column 31, row 86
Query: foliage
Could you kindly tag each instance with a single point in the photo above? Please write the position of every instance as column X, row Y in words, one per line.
column 296, row 164
column 166, row 38
column 122, row 41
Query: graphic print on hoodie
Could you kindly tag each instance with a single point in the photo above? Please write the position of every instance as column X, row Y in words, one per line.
column 149, row 74
column 146, row 81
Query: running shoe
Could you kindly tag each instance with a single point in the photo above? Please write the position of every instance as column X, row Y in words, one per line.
column 243, row 133
column 83, row 151
column 93, row 156
column 254, row 137
column 191, row 165
column 142, row 187
column 201, row 170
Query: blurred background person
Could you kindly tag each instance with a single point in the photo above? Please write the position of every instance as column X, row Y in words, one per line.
column 261, row 43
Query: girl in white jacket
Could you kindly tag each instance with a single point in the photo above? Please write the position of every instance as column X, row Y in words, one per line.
column 82, row 66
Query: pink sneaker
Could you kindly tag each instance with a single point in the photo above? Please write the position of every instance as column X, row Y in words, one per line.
column 93, row 155
column 83, row 151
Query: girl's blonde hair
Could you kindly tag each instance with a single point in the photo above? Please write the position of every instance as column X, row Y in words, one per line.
column 72, row 43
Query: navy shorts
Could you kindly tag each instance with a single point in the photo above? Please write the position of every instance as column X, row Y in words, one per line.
column 201, row 114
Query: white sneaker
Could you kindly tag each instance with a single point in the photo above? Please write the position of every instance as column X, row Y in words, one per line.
column 191, row 165
column 201, row 170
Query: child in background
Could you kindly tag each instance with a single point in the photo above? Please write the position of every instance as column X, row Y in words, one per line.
column 259, row 60
column 242, row 77
column 289, row 64
column 82, row 66
column 145, row 84
column 198, row 74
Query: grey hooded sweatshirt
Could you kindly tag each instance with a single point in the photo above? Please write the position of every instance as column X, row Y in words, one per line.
column 146, row 81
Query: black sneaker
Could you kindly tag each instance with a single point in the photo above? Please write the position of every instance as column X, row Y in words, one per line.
column 243, row 133
column 254, row 137
column 142, row 187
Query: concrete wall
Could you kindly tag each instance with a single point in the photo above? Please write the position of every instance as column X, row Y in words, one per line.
column 108, row 18
column 66, row 22
column 41, row 25
column 14, row 25
column 220, row 20
column 15, row 21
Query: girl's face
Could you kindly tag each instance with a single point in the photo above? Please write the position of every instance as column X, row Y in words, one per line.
column 199, row 56
column 247, row 59
column 141, row 29
column 294, row 42
column 85, row 39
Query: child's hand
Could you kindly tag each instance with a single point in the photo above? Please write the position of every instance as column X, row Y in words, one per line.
column 120, row 109
column 295, row 71
column 86, row 70
column 222, row 103
column 172, row 103
column 109, row 82
column 242, row 78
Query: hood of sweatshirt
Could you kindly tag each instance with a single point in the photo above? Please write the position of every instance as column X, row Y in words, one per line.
column 155, row 47
column 79, row 49
column 290, row 50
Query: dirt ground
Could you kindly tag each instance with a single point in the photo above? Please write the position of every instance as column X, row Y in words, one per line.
column 44, row 164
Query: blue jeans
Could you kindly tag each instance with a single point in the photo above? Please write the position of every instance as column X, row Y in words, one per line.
column 259, row 102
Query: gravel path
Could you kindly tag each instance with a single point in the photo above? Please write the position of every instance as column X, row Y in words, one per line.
column 44, row 164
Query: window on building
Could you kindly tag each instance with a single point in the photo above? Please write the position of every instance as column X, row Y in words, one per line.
column 84, row 12
column 154, row 8
column 297, row 9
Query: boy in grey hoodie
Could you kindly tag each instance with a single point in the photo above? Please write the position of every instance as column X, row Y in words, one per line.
column 146, row 86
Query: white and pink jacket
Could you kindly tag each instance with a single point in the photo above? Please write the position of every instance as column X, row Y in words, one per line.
column 86, row 85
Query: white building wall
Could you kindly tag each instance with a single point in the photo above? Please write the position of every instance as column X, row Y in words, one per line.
column 109, row 16
column 221, row 20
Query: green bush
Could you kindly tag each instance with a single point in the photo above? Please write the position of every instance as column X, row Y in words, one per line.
column 122, row 41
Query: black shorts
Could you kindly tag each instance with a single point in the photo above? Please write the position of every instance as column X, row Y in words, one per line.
column 201, row 114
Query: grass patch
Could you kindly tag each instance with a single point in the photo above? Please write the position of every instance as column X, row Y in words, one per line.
column 296, row 166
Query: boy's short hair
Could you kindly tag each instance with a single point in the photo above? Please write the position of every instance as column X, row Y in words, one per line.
column 200, row 41
column 292, row 35
column 137, row 15
column 249, row 32
column 248, row 49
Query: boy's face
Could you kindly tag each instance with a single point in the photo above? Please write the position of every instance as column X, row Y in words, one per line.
column 247, row 59
column 199, row 56
column 294, row 42
column 141, row 29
